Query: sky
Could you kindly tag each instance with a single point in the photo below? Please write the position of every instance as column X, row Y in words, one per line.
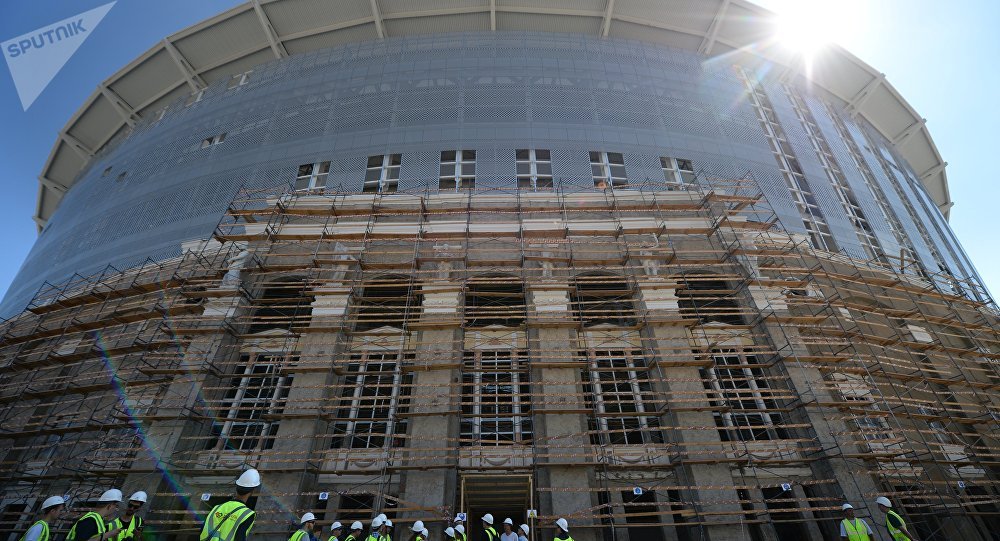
column 940, row 56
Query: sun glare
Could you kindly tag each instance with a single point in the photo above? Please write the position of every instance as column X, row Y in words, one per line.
column 807, row 26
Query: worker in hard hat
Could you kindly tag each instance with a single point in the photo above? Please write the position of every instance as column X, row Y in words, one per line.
column 562, row 530
column 449, row 532
column 853, row 528
column 357, row 531
column 306, row 525
column 460, row 534
column 93, row 525
column 508, row 533
column 232, row 520
column 893, row 522
column 335, row 529
column 130, row 523
column 418, row 531
column 491, row 534
column 522, row 533
column 387, row 536
column 52, row 509
column 379, row 530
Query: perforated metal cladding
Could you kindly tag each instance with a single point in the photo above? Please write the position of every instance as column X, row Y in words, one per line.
column 417, row 96
column 642, row 168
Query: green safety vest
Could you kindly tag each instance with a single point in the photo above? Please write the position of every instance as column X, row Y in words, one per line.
column 44, row 536
column 460, row 535
column 491, row 534
column 134, row 524
column 896, row 533
column 350, row 537
column 856, row 531
column 223, row 521
column 567, row 538
column 101, row 527
column 297, row 536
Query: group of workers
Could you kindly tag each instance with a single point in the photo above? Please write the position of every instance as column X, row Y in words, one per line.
column 233, row 520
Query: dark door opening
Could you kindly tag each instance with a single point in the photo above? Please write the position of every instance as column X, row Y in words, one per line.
column 506, row 496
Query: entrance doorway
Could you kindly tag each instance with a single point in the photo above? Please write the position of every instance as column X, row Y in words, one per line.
column 502, row 496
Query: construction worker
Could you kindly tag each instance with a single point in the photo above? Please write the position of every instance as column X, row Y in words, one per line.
column 93, row 525
column 418, row 528
column 232, row 520
column 522, row 535
column 335, row 530
column 508, row 530
column 306, row 525
column 356, row 531
column 130, row 523
column 854, row 529
column 460, row 533
column 562, row 534
column 52, row 509
column 491, row 534
column 378, row 529
column 388, row 530
column 449, row 532
column 893, row 522
column 458, row 521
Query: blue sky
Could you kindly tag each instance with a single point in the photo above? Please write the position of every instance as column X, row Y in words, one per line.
column 941, row 56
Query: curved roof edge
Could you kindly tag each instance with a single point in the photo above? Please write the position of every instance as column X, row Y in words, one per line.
column 263, row 30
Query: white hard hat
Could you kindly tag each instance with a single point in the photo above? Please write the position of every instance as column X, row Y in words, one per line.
column 138, row 497
column 508, row 521
column 249, row 479
column 458, row 519
column 308, row 517
column 388, row 523
column 449, row 531
column 418, row 526
column 425, row 532
column 113, row 495
column 337, row 526
column 377, row 522
column 459, row 528
column 563, row 524
column 382, row 517
column 53, row 501
column 882, row 500
column 357, row 525
column 524, row 527
column 846, row 506
column 488, row 518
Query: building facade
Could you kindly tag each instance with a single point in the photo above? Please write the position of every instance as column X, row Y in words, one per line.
column 438, row 260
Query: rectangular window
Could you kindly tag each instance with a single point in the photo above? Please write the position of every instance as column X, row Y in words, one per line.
column 256, row 393
column 382, row 173
column 608, row 169
column 742, row 392
column 677, row 172
column 621, row 395
column 534, row 169
column 214, row 140
column 312, row 176
column 458, row 170
column 370, row 403
column 496, row 399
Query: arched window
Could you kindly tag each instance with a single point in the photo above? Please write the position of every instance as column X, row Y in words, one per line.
column 494, row 300
column 708, row 299
column 282, row 305
column 603, row 299
column 386, row 301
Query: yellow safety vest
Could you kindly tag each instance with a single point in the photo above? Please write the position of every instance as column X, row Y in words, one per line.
column 136, row 522
column 567, row 538
column 896, row 533
column 297, row 536
column 224, row 520
column 491, row 534
column 856, row 531
column 460, row 535
column 101, row 527
column 44, row 536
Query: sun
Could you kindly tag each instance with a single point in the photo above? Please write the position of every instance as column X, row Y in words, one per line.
column 808, row 26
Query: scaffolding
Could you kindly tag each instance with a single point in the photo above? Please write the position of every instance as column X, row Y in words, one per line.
column 699, row 368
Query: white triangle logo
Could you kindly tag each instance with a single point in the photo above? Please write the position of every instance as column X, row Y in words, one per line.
column 35, row 58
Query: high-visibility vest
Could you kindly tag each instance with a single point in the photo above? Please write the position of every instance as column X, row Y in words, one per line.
column 101, row 527
column 350, row 537
column 461, row 535
column 298, row 535
column 491, row 534
column 224, row 520
column 856, row 531
column 567, row 538
column 374, row 536
column 896, row 533
column 44, row 536
column 135, row 523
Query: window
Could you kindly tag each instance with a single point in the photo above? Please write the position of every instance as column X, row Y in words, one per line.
column 312, row 176
column 386, row 301
column 708, row 300
column 608, row 170
column 677, row 172
column 494, row 300
column 382, row 174
column 496, row 399
column 740, row 389
column 603, row 299
column 369, row 405
column 239, row 79
column 215, row 140
column 256, row 394
column 621, row 395
column 534, row 169
column 458, row 170
column 282, row 305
